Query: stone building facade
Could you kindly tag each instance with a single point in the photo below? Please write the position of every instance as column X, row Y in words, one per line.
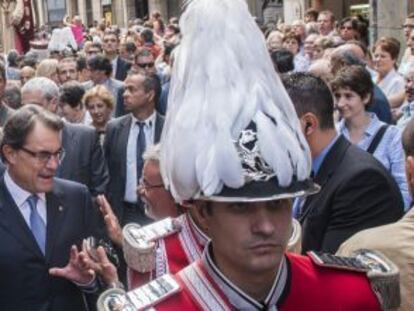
column 118, row 12
column 386, row 16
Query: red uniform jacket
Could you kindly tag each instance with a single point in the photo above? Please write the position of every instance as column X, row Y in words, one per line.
column 307, row 287
column 174, row 252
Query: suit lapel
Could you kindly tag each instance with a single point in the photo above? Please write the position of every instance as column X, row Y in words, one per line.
column 56, row 211
column 326, row 171
column 159, row 124
column 13, row 222
column 123, row 144
column 68, row 144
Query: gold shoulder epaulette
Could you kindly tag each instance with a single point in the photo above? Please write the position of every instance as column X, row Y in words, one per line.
column 141, row 298
column 139, row 243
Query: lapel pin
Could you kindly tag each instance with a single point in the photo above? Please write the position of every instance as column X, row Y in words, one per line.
column 60, row 208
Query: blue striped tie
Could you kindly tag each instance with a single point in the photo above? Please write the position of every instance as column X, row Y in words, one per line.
column 140, row 149
column 37, row 224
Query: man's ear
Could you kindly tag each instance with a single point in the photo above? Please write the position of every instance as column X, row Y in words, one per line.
column 151, row 96
column 409, row 167
column 202, row 213
column 309, row 123
column 53, row 105
column 9, row 154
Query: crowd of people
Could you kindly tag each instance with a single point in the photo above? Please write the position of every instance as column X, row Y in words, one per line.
column 167, row 156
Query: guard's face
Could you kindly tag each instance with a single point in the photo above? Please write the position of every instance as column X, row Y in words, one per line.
column 248, row 238
column 30, row 171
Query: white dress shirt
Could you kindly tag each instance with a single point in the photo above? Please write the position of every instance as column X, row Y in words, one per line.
column 20, row 197
column 131, row 164
column 392, row 84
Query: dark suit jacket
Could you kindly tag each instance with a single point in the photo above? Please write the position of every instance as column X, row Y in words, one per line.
column 115, row 149
column 357, row 193
column 380, row 106
column 122, row 68
column 84, row 160
column 24, row 279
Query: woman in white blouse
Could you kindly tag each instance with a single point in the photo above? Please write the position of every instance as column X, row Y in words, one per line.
column 353, row 91
column 386, row 52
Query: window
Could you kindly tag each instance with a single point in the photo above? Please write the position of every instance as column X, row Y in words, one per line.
column 56, row 10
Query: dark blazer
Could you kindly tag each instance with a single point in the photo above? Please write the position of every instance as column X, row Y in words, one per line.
column 380, row 106
column 25, row 282
column 115, row 149
column 122, row 68
column 357, row 193
column 84, row 160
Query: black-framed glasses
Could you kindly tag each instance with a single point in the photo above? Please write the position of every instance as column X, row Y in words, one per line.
column 408, row 26
column 45, row 156
column 145, row 65
column 146, row 185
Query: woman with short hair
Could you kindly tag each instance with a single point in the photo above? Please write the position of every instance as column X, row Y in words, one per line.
column 99, row 102
column 353, row 91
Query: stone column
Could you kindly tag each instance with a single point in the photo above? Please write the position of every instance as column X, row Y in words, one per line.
column 97, row 10
column 41, row 17
column 120, row 12
column 82, row 11
column 160, row 6
column 7, row 31
column 69, row 9
column 390, row 16
column 293, row 10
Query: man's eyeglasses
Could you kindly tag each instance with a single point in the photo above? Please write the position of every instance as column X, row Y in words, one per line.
column 145, row 65
column 144, row 184
column 45, row 156
column 408, row 26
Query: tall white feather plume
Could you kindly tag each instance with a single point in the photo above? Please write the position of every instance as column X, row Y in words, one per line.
column 223, row 79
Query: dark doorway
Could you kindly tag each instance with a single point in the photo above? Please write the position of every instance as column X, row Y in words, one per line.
column 141, row 8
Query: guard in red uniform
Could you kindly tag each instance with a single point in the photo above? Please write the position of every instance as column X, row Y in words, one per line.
column 233, row 149
column 300, row 285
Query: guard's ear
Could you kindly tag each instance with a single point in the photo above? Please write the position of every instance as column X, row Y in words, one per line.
column 202, row 211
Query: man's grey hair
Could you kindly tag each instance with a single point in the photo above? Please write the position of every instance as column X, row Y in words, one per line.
column 47, row 87
column 152, row 153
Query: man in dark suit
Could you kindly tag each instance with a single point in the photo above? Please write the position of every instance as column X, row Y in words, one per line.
column 41, row 218
column 357, row 191
column 126, row 139
column 100, row 69
column 110, row 47
column 84, row 161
